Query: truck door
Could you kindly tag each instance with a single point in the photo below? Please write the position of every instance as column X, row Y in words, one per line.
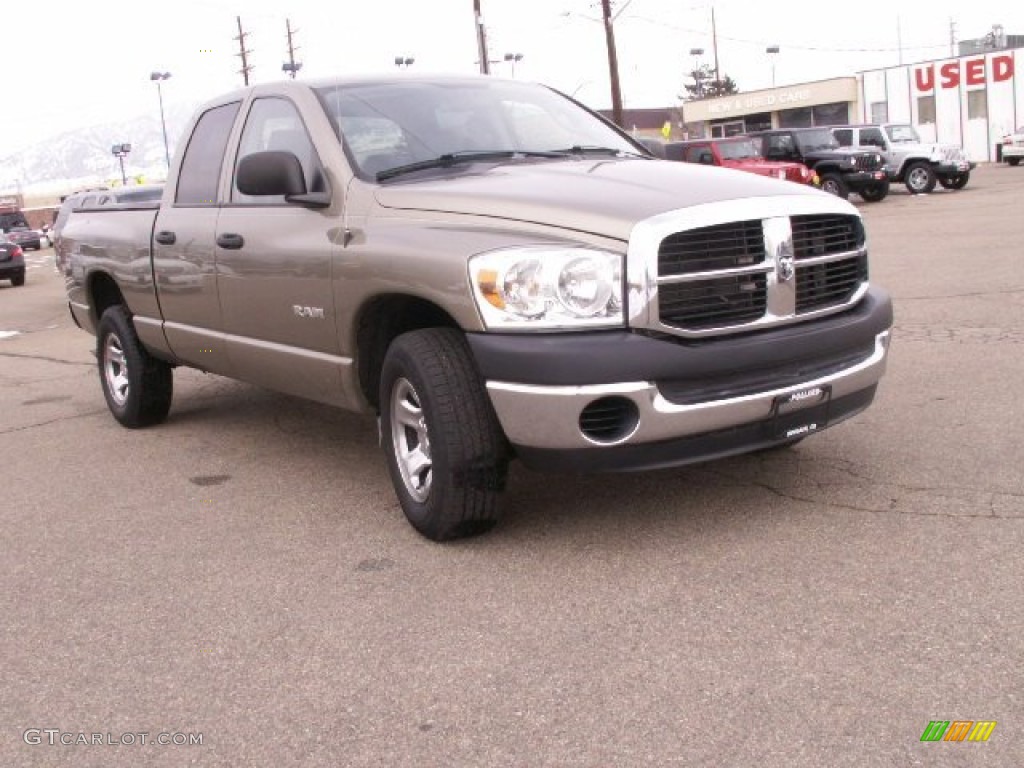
column 274, row 269
column 183, row 247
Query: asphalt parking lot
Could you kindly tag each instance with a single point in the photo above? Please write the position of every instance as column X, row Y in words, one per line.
column 242, row 575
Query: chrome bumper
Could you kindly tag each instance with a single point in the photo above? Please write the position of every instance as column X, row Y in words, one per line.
column 547, row 417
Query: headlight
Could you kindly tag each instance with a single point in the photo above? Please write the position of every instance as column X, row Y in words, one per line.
column 546, row 287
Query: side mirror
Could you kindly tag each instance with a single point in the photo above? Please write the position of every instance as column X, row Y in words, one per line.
column 276, row 172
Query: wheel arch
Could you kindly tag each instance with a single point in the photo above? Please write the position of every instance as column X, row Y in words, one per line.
column 379, row 322
column 103, row 293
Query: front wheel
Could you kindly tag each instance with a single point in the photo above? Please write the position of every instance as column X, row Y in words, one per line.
column 833, row 184
column 137, row 387
column 446, row 453
column 959, row 181
column 920, row 179
column 874, row 193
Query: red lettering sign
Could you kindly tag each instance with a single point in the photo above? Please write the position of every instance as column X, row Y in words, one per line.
column 1002, row 68
column 950, row 72
column 975, row 71
column 924, row 78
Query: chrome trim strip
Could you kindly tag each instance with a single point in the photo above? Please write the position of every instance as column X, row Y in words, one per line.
column 810, row 261
column 754, row 269
column 548, row 417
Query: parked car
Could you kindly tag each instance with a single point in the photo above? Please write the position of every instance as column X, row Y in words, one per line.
column 910, row 161
column 740, row 152
column 25, row 237
column 12, row 261
column 1013, row 146
column 841, row 171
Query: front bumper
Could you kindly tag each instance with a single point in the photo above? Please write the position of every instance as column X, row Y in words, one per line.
column 684, row 402
column 860, row 179
column 954, row 169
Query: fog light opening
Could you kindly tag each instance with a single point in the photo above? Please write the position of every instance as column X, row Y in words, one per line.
column 609, row 420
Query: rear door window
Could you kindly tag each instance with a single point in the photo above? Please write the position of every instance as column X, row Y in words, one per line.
column 204, row 156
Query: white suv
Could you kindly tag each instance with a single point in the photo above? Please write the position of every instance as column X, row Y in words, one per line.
column 910, row 161
column 1013, row 146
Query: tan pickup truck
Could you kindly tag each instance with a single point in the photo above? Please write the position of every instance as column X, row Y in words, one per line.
column 492, row 270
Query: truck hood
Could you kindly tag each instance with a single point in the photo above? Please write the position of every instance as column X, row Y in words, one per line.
column 604, row 197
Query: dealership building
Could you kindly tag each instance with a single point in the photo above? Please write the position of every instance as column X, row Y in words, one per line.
column 972, row 100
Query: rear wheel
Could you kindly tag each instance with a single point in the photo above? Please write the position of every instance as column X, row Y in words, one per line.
column 920, row 179
column 833, row 184
column 873, row 193
column 1013, row 160
column 959, row 181
column 18, row 279
column 137, row 387
column 446, row 453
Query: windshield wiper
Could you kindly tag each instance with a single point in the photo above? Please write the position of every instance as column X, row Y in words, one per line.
column 450, row 159
column 580, row 149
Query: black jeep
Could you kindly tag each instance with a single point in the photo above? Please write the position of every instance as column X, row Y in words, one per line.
column 840, row 170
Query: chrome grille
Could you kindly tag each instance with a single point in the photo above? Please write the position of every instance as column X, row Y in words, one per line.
column 753, row 273
column 709, row 248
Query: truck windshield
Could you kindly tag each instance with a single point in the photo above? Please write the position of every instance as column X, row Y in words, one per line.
column 815, row 141
column 902, row 134
column 396, row 124
column 744, row 149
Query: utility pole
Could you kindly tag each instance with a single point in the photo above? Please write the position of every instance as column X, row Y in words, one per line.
column 481, row 39
column 243, row 52
column 952, row 37
column 291, row 66
column 714, row 48
column 613, row 62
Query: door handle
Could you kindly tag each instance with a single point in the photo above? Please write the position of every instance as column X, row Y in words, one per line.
column 230, row 241
column 165, row 238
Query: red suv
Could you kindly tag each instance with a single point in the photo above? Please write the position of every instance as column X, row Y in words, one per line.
column 738, row 152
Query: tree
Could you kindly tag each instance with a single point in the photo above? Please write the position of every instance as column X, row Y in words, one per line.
column 705, row 86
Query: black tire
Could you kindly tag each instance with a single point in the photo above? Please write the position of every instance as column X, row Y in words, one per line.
column 874, row 193
column 138, row 388
column 958, row 181
column 834, row 184
column 451, row 489
column 919, row 178
column 1013, row 160
column 18, row 279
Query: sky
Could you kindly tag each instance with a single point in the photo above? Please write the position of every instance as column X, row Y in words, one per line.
column 85, row 63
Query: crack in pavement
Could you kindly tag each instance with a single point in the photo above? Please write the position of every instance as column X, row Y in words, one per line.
column 57, row 420
column 896, row 493
column 45, row 359
column 1006, row 292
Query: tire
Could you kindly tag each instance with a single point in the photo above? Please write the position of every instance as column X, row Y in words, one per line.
column 138, row 388
column 834, row 184
column 874, row 193
column 18, row 279
column 1013, row 160
column 431, row 396
column 919, row 178
column 957, row 181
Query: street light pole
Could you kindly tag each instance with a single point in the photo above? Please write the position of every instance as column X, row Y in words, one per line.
column 120, row 151
column 513, row 58
column 158, row 77
column 772, row 51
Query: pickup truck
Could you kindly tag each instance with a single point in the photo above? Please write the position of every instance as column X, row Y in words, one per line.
column 490, row 269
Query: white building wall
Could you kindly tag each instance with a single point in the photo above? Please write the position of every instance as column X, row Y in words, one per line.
column 897, row 89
